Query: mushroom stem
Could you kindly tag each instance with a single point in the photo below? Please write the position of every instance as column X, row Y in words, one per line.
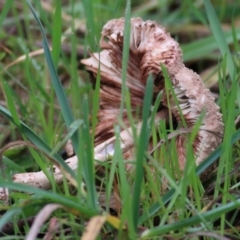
column 102, row 153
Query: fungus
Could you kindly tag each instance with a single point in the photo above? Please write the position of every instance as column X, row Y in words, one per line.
column 150, row 47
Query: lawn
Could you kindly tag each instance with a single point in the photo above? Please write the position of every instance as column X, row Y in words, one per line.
column 84, row 157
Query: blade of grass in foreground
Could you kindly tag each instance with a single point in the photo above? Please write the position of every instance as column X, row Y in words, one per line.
column 184, row 223
column 87, row 156
column 226, row 163
column 54, row 197
column 200, row 169
column 141, row 149
column 123, row 186
column 5, row 218
column 126, row 42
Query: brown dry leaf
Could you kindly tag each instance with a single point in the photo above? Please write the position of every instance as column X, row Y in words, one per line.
column 93, row 227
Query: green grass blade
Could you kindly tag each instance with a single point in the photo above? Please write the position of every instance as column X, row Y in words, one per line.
column 95, row 106
column 68, row 117
column 4, row 11
column 219, row 36
column 53, row 197
column 217, row 153
column 226, row 163
column 200, row 169
column 8, row 216
column 126, row 42
column 141, row 149
column 203, row 47
column 91, row 26
column 72, row 129
column 65, row 108
column 26, row 131
column 12, row 165
column 156, row 206
column 56, row 37
column 188, row 222
column 10, row 103
column 123, row 185
column 87, row 156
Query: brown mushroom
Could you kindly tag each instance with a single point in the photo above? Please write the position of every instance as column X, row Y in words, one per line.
column 151, row 46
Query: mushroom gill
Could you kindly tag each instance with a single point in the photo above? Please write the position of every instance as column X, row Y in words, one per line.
column 150, row 47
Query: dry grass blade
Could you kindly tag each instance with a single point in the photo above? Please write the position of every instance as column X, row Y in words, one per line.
column 23, row 57
column 237, row 120
column 93, row 227
column 208, row 235
column 42, row 216
column 53, row 227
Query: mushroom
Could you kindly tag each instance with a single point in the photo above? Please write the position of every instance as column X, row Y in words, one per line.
column 150, row 47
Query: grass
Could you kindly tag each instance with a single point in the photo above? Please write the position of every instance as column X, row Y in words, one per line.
column 47, row 99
